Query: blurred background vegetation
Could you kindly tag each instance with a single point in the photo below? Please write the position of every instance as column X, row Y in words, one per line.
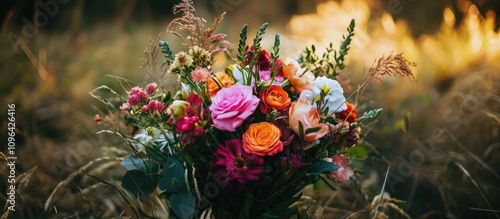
column 440, row 135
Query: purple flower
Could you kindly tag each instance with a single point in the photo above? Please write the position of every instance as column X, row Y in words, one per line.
column 234, row 167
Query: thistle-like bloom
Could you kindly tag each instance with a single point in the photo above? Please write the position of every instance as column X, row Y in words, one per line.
column 232, row 165
column 182, row 59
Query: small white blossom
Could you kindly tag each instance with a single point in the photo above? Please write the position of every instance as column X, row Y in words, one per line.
column 334, row 100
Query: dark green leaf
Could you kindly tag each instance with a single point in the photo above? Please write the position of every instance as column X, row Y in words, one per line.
column 155, row 154
column 321, row 167
column 301, row 130
column 311, row 130
column 173, row 179
column 138, row 183
column 183, row 204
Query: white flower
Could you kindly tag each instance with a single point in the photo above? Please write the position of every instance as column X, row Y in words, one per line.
column 237, row 73
column 150, row 135
column 334, row 100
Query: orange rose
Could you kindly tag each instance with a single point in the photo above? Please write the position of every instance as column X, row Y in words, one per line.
column 274, row 97
column 299, row 79
column 223, row 79
column 303, row 112
column 262, row 139
column 350, row 114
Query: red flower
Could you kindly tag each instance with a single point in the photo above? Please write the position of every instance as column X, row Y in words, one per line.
column 234, row 167
column 186, row 124
column 265, row 60
column 350, row 114
column 195, row 104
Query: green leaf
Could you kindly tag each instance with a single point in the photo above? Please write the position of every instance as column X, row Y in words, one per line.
column 132, row 162
column 301, row 130
column 407, row 122
column 321, row 167
column 138, row 183
column 183, row 204
column 248, row 204
column 155, row 154
column 173, row 179
column 264, row 180
column 311, row 130
column 371, row 114
column 167, row 51
column 358, row 151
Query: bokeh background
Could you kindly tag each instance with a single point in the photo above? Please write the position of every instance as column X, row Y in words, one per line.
column 439, row 135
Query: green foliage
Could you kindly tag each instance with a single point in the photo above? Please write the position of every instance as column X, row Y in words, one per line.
column 326, row 65
column 344, row 48
column 259, row 34
column 370, row 115
column 167, row 51
column 275, row 56
column 322, row 167
column 105, row 100
column 183, row 204
column 242, row 45
column 359, row 152
column 141, row 183
column 173, row 179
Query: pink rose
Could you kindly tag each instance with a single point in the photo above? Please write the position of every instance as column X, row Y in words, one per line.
column 303, row 112
column 343, row 173
column 231, row 106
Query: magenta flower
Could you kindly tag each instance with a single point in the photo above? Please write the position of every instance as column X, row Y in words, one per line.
column 343, row 173
column 151, row 88
column 135, row 90
column 231, row 106
column 155, row 105
column 133, row 99
column 186, row 124
column 234, row 167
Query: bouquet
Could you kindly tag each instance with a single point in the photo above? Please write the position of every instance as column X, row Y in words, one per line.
column 244, row 141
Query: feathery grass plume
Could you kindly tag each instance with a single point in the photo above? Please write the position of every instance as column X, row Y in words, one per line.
column 148, row 62
column 396, row 65
column 392, row 65
column 189, row 21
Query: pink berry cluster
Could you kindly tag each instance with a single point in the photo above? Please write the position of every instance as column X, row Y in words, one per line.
column 140, row 98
